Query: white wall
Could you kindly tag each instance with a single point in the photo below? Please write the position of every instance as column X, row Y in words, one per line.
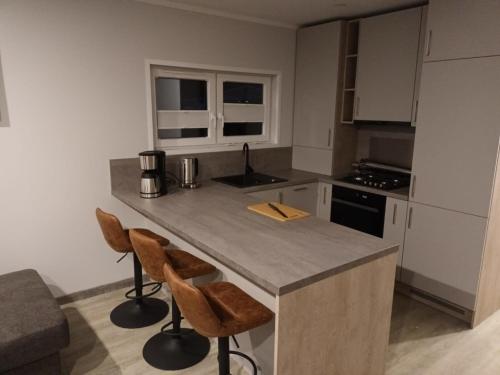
column 74, row 73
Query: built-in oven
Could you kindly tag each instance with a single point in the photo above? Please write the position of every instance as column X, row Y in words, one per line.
column 358, row 210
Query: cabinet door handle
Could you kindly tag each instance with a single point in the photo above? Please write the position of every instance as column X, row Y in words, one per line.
column 280, row 197
column 394, row 213
column 410, row 217
column 358, row 100
column 416, row 111
column 300, row 189
column 324, row 196
column 329, row 137
column 429, row 41
column 414, row 183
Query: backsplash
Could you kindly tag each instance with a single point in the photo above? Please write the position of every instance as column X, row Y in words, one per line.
column 226, row 163
column 389, row 145
column 213, row 164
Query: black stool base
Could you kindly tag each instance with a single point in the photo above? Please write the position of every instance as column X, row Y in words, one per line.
column 131, row 314
column 167, row 351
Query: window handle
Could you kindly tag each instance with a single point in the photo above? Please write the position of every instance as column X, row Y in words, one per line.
column 221, row 119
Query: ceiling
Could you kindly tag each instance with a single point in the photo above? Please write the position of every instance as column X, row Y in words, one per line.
column 287, row 13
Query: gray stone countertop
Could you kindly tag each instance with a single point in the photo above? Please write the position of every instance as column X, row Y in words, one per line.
column 280, row 257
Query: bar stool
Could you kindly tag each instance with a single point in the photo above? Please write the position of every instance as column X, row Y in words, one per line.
column 177, row 348
column 218, row 310
column 141, row 310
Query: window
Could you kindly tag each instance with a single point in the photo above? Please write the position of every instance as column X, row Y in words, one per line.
column 243, row 108
column 185, row 107
column 208, row 108
column 4, row 118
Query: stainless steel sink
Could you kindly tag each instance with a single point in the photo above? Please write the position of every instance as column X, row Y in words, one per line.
column 249, row 180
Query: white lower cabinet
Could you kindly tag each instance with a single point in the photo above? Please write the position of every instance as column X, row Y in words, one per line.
column 395, row 225
column 273, row 195
column 303, row 197
column 442, row 253
column 324, row 209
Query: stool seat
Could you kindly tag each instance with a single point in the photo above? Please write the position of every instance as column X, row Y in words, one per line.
column 237, row 311
column 188, row 266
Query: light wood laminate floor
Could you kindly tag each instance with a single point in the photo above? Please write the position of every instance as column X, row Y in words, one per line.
column 422, row 341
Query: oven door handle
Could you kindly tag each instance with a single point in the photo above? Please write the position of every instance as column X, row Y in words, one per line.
column 355, row 205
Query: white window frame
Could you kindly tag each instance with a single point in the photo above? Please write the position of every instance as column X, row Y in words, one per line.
column 186, row 116
column 4, row 115
column 276, row 77
column 221, row 106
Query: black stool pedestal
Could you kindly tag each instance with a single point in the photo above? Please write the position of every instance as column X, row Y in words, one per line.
column 140, row 311
column 176, row 349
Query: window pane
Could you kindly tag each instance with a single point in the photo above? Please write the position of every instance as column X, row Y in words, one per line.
column 242, row 128
column 244, row 93
column 182, row 133
column 173, row 94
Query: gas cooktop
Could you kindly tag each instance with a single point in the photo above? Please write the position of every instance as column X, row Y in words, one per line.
column 378, row 178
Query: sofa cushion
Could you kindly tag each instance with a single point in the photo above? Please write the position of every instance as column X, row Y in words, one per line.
column 33, row 325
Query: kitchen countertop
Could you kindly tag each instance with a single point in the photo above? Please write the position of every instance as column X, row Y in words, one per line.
column 277, row 256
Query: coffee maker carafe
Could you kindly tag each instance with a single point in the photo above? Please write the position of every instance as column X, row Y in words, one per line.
column 153, row 178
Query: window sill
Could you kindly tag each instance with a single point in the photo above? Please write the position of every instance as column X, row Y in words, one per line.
column 216, row 148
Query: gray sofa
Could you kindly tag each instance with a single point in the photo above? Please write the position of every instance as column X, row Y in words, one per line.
column 33, row 328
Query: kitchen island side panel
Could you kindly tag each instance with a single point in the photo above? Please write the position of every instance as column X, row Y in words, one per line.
column 339, row 325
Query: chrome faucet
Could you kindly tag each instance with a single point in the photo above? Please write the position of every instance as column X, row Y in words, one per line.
column 246, row 152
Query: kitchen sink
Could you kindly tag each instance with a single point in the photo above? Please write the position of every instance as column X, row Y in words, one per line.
column 249, row 180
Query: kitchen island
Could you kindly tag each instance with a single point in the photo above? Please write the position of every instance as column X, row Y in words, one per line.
column 329, row 286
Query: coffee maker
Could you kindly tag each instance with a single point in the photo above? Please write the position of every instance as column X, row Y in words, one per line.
column 153, row 178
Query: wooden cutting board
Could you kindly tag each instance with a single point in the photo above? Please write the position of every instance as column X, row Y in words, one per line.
column 292, row 213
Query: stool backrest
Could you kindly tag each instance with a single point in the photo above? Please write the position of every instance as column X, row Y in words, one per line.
column 114, row 234
column 193, row 304
column 150, row 252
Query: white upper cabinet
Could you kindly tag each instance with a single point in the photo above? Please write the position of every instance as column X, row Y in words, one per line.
column 442, row 253
column 420, row 61
column 462, row 28
column 387, row 63
column 316, row 80
column 456, row 141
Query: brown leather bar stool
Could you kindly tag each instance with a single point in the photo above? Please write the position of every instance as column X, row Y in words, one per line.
column 177, row 348
column 141, row 310
column 218, row 310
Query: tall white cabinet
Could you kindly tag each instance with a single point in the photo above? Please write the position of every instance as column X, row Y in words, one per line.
column 455, row 160
column 462, row 29
column 443, row 251
column 457, row 136
column 316, row 85
column 387, row 65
